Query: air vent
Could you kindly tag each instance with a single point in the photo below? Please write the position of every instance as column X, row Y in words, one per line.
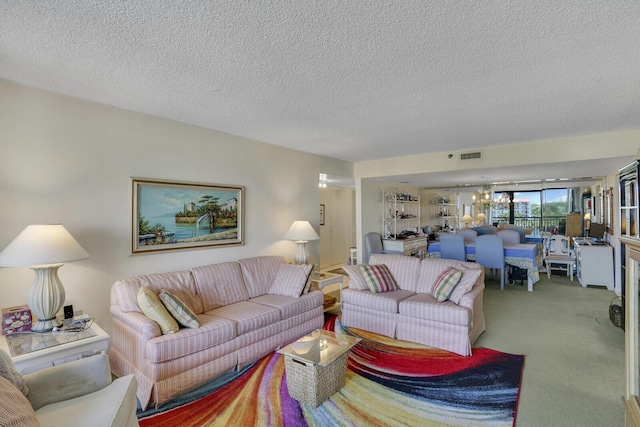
column 468, row 156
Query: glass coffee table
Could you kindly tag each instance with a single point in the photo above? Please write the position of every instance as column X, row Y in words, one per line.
column 316, row 365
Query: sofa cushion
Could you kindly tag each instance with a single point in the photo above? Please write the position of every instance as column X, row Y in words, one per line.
column 179, row 309
column 15, row 409
column 259, row 273
column 290, row 306
column 378, row 278
column 356, row 279
column 446, row 283
column 11, row 374
column 431, row 268
column 385, row 301
column 291, row 280
column 213, row 331
column 153, row 308
column 425, row 306
column 220, row 284
column 248, row 316
column 470, row 275
column 405, row 269
column 125, row 292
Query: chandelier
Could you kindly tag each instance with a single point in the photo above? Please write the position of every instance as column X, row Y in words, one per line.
column 483, row 200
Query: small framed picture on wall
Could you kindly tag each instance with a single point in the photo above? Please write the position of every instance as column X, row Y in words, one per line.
column 321, row 214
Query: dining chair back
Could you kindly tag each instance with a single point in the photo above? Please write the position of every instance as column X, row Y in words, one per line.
column 490, row 254
column 468, row 234
column 558, row 255
column 452, row 247
column 509, row 236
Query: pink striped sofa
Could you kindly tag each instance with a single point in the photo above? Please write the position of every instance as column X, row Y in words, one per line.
column 240, row 322
column 412, row 313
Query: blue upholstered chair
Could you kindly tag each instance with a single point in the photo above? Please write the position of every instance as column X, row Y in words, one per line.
column 509, row 236
column 490, row 254
column 486, row 229
column 468, row 234
column 373, row 245
column 452, row 247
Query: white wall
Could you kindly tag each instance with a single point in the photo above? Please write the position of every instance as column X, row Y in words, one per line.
column 69, row 161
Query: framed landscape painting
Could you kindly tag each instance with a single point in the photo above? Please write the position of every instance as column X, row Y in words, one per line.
column 183, row 215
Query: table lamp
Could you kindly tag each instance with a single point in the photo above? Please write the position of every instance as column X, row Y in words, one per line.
column 44, row 248
column 301, row 232
column 480, row 218
column 467, row 219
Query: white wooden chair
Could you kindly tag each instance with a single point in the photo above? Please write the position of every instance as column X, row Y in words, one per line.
column 559, row 256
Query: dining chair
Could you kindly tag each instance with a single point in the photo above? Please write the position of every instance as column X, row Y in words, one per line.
column 452, row 247
column 373, row 245
column 559, row 256
column 468, row 234
column 509, row 236
column 490, row 254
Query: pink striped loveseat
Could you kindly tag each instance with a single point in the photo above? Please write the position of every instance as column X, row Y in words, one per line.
column 240, row 321
column 412, row 313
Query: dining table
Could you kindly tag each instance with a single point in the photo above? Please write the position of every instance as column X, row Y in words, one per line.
column 523, row 255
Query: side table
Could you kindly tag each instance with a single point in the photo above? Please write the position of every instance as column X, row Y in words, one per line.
column 322, row 280
column 33, row 351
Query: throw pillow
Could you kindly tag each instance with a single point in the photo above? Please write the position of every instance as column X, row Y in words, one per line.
column 15, row 409
column 469, row 278
column 290, row 280
column 179, row 309
column 378, row 278
column 11, row 374
column 446, row 283
column 152, row 307
column 356, row 279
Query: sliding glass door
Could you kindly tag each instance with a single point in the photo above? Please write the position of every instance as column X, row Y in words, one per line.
column 544, row 210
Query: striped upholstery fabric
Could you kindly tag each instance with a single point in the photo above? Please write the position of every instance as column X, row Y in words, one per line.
column 446, row 283
column 248, row 316
column 290, row 280
column 289, row 306
column 379, row 322
column 386, row 302
column 412, row 313
column 259, row 273
column 233, row 331
column 403, row 268
column 220, row 284
column 15, row 409
column 470, row 276
column 431, row 268
column 356, row 279
column 447, row 336
column 124, row 292
column 424, row 306
column 212, row 332
column 378, row 278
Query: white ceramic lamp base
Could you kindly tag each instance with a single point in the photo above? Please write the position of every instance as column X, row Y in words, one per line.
column 46, row 297
column 301, row 251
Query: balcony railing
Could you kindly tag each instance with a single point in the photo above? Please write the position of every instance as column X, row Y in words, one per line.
column 546, row 223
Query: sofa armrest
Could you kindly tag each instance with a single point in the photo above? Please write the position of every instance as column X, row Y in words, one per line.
column 468, row 299
column 137, row 322
column 68, row 381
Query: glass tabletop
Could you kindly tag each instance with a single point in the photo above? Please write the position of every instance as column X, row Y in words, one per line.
column 320, row 347
column 21, row 343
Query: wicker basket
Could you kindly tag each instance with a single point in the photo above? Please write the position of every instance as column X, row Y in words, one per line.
column 312, row 384
column 615, row 313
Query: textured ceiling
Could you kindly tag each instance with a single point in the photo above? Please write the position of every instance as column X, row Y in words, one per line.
column 354, row 80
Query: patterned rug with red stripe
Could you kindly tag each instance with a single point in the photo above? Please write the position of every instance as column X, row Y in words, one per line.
column 388, row 383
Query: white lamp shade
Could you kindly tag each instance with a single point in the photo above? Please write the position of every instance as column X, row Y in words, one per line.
column 467, row 218
column 301, row 231
column 41, row 245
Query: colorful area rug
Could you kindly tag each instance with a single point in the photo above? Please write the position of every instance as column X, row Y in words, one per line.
column 388, row 383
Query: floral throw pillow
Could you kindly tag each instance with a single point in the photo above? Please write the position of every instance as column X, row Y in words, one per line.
column 378, row 278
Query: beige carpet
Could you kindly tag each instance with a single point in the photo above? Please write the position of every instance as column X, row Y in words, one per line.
column 574, row 356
